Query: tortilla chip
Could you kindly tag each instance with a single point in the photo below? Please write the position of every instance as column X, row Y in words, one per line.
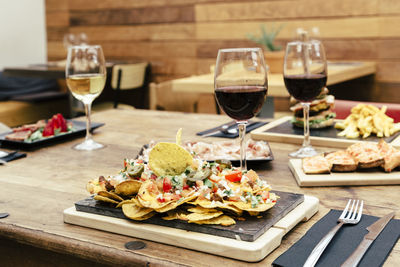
column 105, row 199
column 128, row 201
column 253, row 213
column 128, row 187
column 223, row 220
column 201, row 210
column 232, row 210
column 176, row 215
column 203, row 216
column 133, row 212
column 174, row 205
column 145, row 217
column 169, row 159
column 111, row 195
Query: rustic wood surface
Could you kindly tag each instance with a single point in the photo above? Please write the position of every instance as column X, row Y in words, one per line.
column 35, row 191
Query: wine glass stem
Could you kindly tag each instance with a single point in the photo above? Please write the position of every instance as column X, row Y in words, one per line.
column 306, row 112
column 242, row 133
column 88, row 107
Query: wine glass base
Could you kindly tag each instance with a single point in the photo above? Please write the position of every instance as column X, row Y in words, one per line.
column 304, row 152
column 88, row 145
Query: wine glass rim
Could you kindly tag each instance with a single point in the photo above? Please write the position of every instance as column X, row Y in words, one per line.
column 240, row 49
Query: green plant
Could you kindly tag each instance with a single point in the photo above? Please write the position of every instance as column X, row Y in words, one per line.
column 267, row 38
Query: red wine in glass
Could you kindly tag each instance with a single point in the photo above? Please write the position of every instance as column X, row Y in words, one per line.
column 305, row 88
column 241, row 102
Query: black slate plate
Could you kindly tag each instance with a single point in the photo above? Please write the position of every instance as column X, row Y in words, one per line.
column 330, row 132
column 248, row 230
column 235, row 162
column 79, row 130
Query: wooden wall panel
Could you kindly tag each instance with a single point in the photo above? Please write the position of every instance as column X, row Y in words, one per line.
column 272, row 10
column 133, row 16
column 355, row 27
column 181, row 37
column 118, row 4
column 153, row 32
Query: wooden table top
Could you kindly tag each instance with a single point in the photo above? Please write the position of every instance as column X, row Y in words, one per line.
column 35, row 191
column 337, row 72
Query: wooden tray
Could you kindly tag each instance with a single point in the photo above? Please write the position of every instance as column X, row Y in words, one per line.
column 282, row 131
column 366, row 177
column 237, row 249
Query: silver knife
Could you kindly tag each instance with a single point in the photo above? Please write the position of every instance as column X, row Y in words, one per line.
column 220, row 129
column 374, row 230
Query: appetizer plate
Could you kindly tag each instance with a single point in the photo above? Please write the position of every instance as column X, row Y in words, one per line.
column 79, row 129
column 144, row 150
column 210, row 243
column 282, row 130
column 372, row 176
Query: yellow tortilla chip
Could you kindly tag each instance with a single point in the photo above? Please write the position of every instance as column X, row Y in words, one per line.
column 145, row 217
column 111, row 195
column 133, row 212
column 128, row 187
column 223, row 220
column 203, row 216
column 175, row 204
column 169, row 159
column 201, row 210
column 176, row 215
column 178, row 138
column 105, row 199
column 128, row 201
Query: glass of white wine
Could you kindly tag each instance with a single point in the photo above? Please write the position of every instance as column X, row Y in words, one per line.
column 86, row 76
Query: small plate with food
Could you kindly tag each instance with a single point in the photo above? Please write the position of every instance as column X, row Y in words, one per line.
column 57, row 128
column 365, row 123
column 363, row 163
column 256, row 151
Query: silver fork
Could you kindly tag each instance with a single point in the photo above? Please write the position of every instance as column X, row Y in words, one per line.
column 347, row 217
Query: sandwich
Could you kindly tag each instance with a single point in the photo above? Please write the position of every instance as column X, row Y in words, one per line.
column 321, row 111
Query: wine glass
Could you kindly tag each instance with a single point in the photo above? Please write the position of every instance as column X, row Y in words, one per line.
column 240, row 85
column 86, row 76
column 305, row 72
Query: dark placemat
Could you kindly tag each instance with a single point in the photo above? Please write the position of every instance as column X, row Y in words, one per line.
column 251, row 126
column 343, row 244
column 330, row 132
column 247, row 230
column 13, row 156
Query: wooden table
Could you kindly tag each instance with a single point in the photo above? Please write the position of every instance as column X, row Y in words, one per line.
column 35, row 191
column 337, row 72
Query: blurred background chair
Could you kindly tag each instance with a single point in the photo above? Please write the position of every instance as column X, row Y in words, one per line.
column 343, row 108
column 130, row 87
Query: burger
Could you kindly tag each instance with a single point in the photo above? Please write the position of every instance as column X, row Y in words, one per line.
column 321, row 111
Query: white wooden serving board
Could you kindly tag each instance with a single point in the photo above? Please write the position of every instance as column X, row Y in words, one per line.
column 237, row 249
column 261, row 134
column 375, row 177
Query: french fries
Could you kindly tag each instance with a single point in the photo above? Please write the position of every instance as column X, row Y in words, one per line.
column 365, row 120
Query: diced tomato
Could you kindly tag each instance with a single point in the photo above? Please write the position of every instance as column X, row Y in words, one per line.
column 48, row 130
column 161, row 199
column 219, row 168
column 153, row 176
column 125, row 163
column 185, row 187
column 214, row 188
column 167, row 185
column 265, row 195
column 234, row 176
column 139, row 161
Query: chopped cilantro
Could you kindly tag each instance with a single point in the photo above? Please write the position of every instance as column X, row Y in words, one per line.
column 177, row 182
column 208, row 183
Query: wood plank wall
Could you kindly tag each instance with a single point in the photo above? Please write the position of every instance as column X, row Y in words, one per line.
column 182, row 37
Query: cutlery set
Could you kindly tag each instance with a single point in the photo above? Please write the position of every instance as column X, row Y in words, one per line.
column 4, row 154
column 350, row 215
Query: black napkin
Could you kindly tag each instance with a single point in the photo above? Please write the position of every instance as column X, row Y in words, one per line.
column 343, row 244
column 251, row 126
column 13, row 156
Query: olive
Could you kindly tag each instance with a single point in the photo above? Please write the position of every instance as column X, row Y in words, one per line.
column 136, row 171
column 200, row 175
column 224, row 164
